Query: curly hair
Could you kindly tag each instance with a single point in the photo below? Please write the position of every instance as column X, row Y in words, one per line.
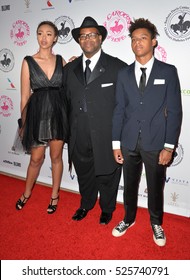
column 143, row 23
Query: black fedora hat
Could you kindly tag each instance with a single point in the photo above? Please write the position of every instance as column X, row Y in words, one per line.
column 87, row 23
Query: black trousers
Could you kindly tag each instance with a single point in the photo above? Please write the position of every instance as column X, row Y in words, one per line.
column 155, row 177
column 91, row 185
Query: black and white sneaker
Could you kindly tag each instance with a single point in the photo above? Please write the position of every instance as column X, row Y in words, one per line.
column 121, row 228
column 158, row 235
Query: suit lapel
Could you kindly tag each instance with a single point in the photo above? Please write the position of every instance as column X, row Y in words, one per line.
column 132, row 77
column 154, row 71
column 79, row 71
column 153, row 74
column 99, row 69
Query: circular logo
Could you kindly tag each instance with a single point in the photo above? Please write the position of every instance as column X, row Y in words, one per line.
column 6, row 106
column 160, row 53
column 6, row 60
column 20, row 32
column 178, row 155
column 117, row 25
column 64, row 25
column 177, row 24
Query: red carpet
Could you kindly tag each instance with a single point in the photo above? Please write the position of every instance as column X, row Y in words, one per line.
column 32, row 234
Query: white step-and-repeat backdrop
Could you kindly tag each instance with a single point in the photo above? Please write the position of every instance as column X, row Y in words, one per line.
column 18, row 23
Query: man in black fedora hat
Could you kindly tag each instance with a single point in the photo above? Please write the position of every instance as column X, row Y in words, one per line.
column 89, row 82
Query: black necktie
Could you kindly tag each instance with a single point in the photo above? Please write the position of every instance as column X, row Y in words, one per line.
column 87, row 70
column 142, row 83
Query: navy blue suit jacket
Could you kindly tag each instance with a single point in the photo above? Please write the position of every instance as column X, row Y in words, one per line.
column 157, row 113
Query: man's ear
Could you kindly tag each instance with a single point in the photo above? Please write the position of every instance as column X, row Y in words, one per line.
column 154, row 43
column 101, row 38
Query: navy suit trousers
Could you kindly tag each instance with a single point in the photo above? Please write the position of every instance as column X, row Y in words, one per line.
column 155, row 178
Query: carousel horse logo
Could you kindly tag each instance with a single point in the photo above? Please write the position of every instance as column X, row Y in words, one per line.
column 117, row 24
column 177, row 24
column 19, row 32
column 6, row 60
column 64, row 25
column 6, row 106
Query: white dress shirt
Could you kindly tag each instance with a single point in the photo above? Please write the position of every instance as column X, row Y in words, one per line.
column 94, row 59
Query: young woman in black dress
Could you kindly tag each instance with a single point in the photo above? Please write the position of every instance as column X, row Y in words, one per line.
column 43, row 112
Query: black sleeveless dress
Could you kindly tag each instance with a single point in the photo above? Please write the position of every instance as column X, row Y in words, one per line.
column 45, row 115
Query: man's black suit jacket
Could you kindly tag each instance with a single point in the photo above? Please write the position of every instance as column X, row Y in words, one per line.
column 100, row 96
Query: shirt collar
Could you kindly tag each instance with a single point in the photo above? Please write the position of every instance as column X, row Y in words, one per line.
column 94, row 59
column 148, row 65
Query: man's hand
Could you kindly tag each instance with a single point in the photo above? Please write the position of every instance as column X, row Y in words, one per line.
column 165, row 156
column 118, row 156
column 72, row 58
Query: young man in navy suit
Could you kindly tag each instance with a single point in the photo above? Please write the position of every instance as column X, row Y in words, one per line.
column 91, row 96
column 146, row 126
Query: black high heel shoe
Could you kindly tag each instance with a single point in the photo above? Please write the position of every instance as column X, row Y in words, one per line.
column 20, row 203
column 52, row 208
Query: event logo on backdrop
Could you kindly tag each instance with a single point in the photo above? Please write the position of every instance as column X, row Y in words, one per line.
column 13, row 163
column 117, row 24
column 160, row 53
column 64, row 25
column 178, row 155
column 27, row 5
column 177, row 24
column 173, row 199
column 6, row 60
column 6, row 106
column 19, row 32
column 11, row 85
column 185, row 92
column 177, row 181
column 49, row 5
column 5, row 8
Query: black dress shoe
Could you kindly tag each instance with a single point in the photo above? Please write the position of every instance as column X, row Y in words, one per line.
column 105, row 218
column 80, row 214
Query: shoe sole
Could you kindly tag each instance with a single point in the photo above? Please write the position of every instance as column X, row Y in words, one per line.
column 115, row 233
